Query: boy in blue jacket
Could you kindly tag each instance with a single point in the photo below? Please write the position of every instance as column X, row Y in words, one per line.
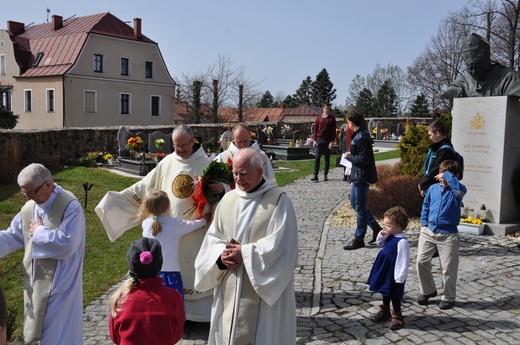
column 440, row 216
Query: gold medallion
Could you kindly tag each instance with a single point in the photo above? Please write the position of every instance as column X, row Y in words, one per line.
column 182, row 186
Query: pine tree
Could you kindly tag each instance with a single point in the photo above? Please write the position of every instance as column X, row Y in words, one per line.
column 267, row 101
column 365, row 102
column 386, row 100
column 420, row 107
column 323, row 90
column 303, row 95
column 7, row 119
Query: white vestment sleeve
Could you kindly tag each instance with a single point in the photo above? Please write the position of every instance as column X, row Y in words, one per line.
column 117, row 214
column 271, row 261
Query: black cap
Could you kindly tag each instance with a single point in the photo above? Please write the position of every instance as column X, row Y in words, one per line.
column 145, row 258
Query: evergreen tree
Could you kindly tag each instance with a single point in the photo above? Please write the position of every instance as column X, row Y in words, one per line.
column 267, row 101
column 420, row 107
column 386, row 100
column 365, row 102
column 7, row 119
column 290, row 102
column 323, row 90
column 304, row 94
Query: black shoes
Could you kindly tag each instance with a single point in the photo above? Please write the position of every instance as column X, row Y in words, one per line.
column 355, row 245
column 446, row 305
column 325, row 178
column 423, row 299
column 315, row 178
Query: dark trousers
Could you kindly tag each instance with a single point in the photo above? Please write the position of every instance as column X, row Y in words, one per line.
column 322, row 147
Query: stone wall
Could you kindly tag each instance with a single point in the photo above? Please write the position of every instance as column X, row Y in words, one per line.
column 55, row 148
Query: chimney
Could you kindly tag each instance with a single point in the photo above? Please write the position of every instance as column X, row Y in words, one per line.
column 282, row 106
column 137, row 28
column 57, row 22
column 15, row 27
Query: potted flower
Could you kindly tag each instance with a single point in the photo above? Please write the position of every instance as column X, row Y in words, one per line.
column 159, row 143
column 109, row 158
column 471, row 225
column 134, row 144
column 252, row 135
column 159, row 156
column 269, row 133
column 285, row 129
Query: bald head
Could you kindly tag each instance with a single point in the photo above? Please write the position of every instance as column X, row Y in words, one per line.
column 241, row 136
column 247, row 169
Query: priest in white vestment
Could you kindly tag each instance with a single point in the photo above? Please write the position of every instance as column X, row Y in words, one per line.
column 176, row 175
column 51, row 227
column 241, row 140
column 248, row 257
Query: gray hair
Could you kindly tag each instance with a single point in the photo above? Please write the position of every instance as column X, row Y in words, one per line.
column 253, row 157
column 34, row 174
column 183, row 129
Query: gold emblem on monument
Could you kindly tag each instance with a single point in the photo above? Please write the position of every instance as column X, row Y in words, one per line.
column 478, row 122
column 182, row 186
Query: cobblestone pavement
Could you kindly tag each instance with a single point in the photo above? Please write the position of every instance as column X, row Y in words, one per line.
column 334, row 305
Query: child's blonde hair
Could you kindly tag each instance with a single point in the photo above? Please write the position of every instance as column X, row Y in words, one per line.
column 398, row 215
column 118, row 299
column 154, row 204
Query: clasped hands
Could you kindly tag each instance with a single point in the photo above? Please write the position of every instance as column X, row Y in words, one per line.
column 232, row 255
column 33, row 225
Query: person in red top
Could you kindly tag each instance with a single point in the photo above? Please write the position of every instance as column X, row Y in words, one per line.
column 324, row 136
column 143, row 310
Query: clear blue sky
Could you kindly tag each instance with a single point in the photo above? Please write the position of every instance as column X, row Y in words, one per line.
column 279, row 42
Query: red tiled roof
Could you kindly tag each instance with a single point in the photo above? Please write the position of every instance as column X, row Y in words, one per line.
column 61, row 47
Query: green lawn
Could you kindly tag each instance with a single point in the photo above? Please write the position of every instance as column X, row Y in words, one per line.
column 105, row 261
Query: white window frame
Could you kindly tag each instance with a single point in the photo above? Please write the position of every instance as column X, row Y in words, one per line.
column 152, row 69
column 121, row 65
column 121, row 103
column 85, row 101
column 7, row 99
column 50, row 101
column 158, row 106
column 95, row 63
column 3, row 65
column 27, row 100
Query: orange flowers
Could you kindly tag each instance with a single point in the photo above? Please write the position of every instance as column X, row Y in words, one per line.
column 134, row 143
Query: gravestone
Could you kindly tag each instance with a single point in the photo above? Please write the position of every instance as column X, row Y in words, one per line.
column 167, row 147
column 225, row 139
column 122, row 137
column 485, row 132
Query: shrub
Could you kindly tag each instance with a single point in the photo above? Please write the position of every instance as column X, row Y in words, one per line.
column 90, row 159
column 394, row 190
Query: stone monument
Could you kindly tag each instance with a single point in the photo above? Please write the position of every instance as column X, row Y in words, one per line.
column 485, row 132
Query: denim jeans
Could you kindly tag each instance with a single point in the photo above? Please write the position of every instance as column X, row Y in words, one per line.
column 322, row 147
column 358, row 201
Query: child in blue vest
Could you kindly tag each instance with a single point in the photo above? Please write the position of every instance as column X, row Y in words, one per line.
column 390, row 268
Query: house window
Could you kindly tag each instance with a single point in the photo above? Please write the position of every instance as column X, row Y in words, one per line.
column 156, row 106
column 37, row 59
column 6, row 99
column 50, row 100
column 90, row 101
column 98, row 63
column 28, row 100
column 124, row 66
column 149, row 69
column 125, row 104
column 2, row 64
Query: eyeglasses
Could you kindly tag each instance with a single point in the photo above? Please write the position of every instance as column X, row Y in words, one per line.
column 32, row 194
column 183, row 146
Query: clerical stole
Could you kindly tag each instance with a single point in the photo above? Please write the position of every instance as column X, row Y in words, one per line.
column 38, row 274
column 237, row 287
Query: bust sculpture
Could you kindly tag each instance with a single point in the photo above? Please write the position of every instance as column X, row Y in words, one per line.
column 484, row 77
